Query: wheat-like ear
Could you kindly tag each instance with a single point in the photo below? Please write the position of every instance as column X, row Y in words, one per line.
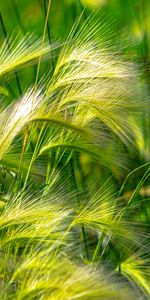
column 101, row 213
column 28, row 220
column 24, row 51
column 93, row 81
column 136, row 268
column 16, row 116
column 59, row 278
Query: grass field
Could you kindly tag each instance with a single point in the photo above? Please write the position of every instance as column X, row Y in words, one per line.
column 74, row 149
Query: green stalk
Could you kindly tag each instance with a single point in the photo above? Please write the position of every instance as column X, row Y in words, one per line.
column 98, row 248
column 9, row 50
column 33, row 156
column 49, row 35
column 84, row 237
column 85, row 242
column 53, row 68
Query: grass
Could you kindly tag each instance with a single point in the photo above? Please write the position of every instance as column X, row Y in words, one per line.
column 74, row 198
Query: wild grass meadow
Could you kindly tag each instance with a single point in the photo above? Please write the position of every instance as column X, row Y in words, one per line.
column 74, row 150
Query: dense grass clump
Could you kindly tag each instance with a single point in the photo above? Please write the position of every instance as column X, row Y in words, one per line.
column 74, row 207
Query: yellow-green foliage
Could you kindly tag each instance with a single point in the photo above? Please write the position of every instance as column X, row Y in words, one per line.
column 63, row 234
